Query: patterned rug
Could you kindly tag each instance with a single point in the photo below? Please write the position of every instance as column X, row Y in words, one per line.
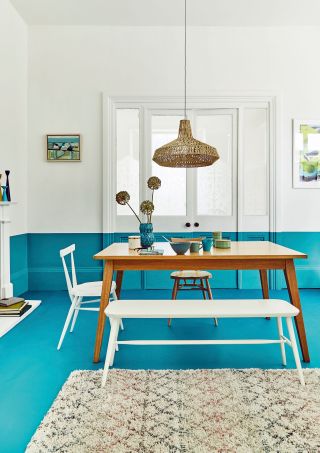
column 198, row 411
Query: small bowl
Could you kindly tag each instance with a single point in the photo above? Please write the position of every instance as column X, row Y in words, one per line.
column 180, row 247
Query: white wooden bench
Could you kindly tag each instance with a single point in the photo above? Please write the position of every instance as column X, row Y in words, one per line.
column 257, row 308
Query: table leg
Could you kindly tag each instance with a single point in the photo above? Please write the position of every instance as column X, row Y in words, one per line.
column 119, row 283
column 264, row 283
column 105, row 295
column 292, row 285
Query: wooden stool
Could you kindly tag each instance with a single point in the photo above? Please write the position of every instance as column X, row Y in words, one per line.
column 199, row 281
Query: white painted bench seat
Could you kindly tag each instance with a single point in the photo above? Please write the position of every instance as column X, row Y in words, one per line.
column 225, row 308
column 248, row 308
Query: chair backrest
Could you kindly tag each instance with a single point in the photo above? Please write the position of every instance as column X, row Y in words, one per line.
column 71, row 282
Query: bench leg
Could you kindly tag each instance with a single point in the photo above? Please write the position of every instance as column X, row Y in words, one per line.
column 111, row 347
column 295, row 349
column 282, row 346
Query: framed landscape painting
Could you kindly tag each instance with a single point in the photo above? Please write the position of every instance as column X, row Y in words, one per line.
column 63, row 148
column 306, row 154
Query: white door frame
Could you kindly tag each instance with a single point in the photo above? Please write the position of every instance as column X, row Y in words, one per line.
column 219, row 101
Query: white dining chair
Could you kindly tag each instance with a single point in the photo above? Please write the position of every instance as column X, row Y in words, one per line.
column 78, row 292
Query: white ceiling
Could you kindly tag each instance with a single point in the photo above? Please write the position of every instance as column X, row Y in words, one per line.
column 170, row 12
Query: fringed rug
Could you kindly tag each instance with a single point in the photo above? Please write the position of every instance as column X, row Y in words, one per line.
column 199, row 411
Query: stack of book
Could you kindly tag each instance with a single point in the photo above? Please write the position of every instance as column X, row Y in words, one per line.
column 13, row 306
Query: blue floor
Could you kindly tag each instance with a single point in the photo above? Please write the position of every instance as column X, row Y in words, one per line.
column 32, row 370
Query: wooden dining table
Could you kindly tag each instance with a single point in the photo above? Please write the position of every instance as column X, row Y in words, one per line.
column 253, row 255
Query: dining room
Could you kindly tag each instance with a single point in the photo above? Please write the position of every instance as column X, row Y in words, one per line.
column 159, row 226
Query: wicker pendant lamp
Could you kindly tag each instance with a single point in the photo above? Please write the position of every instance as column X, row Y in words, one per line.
column 185, row 151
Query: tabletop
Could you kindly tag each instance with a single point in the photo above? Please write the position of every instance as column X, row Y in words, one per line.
column 238, row 250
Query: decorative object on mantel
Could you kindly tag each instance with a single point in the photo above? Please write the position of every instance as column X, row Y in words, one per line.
column 306, row 154
column 7, row 172
column 4, row 194
column 185, row 151
column 146, row 207
column 63, row 148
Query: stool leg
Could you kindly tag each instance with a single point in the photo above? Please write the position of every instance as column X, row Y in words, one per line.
column 203, row 289
column 110, row 351
column 211, row 298
column 295, row 349
column 174, row 294
column 282, row 346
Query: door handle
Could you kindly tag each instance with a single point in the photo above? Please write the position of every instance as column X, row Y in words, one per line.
column 188, row 224
column 196, row 224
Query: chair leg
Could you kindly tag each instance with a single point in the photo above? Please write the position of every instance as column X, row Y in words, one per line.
column 110, row 351
column 282, row 346
column 67, row 321
column 115, row 297
column 295, row 349
column 75, row 315
column 211, row 298
column 174, row 294
column 115, row 346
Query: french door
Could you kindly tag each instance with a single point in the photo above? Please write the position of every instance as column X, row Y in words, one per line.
column 189, row 200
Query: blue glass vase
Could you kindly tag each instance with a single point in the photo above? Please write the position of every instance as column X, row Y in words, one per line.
column 146, row 234
column 4, row 193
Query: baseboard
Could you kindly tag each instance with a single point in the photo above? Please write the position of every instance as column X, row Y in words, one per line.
column 53, row 278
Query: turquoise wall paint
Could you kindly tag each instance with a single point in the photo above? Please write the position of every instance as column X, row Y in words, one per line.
column 44, row 262
column 19, row 263
column 308, row 271
column 36, row 264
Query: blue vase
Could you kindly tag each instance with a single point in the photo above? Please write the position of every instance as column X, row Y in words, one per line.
column 146, row 234
column 4, row 193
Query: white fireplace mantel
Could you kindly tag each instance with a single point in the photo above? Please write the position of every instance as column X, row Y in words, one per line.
column 6, row 288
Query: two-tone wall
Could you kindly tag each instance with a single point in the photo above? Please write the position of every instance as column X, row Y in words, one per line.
column 42, row 269
column 68, row 70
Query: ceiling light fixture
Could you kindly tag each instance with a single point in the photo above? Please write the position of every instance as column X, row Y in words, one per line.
column 185, row 151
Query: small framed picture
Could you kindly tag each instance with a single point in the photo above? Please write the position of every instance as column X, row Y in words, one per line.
column 306, row 154
column 63, row 148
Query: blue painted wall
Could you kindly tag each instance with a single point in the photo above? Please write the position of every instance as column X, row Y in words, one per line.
column 19, row 263
column 36, row 264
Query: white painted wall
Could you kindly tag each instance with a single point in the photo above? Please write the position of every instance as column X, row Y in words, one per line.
column 69, row 68
column 13, row 110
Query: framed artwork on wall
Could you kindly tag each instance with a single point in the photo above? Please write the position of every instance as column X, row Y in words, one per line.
column 306, row 154
column 63, row 148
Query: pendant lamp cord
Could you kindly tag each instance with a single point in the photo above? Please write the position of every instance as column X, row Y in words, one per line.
column 185, row 59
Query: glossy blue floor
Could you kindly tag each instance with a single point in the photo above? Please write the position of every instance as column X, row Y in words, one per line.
column 32, row 370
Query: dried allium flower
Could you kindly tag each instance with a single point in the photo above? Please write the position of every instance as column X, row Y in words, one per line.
column 122, row 197
column 154, row 183
column 147, row 207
